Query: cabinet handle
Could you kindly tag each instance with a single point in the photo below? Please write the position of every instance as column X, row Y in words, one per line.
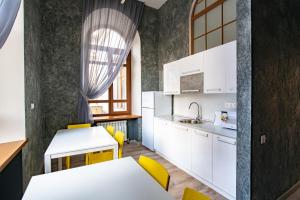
column 226, row 141
column 213, row 90
column 201, row 134
column 190, row 72
column 190, row 91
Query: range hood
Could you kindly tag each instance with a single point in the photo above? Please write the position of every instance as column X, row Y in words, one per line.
column 192, row 83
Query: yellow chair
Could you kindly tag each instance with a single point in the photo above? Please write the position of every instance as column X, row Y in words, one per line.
column 110, row 130
column 156, row 170
column 97, row 157
column 190, row 194
column 73, row 126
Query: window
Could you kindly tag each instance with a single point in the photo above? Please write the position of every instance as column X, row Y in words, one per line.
column 213, row 23
column 117, row 99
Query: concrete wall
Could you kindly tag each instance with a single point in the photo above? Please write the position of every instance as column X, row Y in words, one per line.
column 12, row 107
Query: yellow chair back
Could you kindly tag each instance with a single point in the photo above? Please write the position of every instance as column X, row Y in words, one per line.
column 156, row 170
column 120, row 137
column 190, row 194
column 71, row 126
column 110, row 130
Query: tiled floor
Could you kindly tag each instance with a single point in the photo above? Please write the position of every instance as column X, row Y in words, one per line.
column 179, row 179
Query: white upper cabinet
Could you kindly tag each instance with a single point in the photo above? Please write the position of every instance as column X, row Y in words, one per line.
column 192, row 64
column 171, row 79
column 220, row 69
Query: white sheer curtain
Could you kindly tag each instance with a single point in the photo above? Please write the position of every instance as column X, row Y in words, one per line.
column 8, row 12
column 108, row 31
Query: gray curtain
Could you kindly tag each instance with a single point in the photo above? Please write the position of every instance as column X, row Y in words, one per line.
column 108, row 30
column 8, row 12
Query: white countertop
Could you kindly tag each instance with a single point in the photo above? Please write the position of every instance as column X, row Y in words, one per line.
column 205, row 126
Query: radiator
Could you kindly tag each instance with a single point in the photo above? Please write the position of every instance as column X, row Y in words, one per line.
column 118, row 125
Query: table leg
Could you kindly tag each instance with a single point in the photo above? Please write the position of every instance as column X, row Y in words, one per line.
column 59, row 163
column 116, row 152
column 47, row 163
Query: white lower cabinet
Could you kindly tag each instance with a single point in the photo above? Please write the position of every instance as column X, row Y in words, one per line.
column 202, row 156
column 209, row 157
column 224, row 164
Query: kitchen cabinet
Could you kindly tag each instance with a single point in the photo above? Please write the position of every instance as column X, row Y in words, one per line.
column 224, row 164
column 171, row 79
column 201, row 154
column 161, row 137
column 220, row 69
column 192, row 64
column 178, row 142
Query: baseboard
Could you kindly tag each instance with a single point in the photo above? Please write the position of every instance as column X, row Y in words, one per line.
column 290, row 191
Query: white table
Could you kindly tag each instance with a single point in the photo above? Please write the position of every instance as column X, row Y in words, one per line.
column 121, row 179
column 69, row 142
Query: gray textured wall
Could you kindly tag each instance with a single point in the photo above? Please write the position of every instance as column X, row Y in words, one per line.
column 244, row 67
column 173, row 33
column 275, row 96
column 148, row 30
column 60, row 45
column 33, row 151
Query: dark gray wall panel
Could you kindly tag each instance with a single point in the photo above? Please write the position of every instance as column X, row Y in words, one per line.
column 61, row 30
column 33, row 151
column 244, row 99
column 275, row 96
column 173, row 33
column 148, row 30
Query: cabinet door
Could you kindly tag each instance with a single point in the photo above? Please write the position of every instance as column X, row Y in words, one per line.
column 224, row 164
column 178, row 142
column 231, row 78
column 163, row 138
column 171, row 79
column 214, row 71
column 159, row 126
column 201, row 151
column 192, row 64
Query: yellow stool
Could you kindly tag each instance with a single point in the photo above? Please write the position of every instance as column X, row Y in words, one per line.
column 110, row 130
column 190, row 194
column 97, row 157
column 73, row 126
column 156, row 170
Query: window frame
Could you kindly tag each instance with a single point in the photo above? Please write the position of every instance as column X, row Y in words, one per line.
column 111, row 101
column 194, row 16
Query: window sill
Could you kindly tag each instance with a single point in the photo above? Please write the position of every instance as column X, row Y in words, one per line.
column 115, row 118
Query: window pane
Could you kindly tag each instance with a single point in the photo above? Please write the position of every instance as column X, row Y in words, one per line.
column 99, row 108
column 209, row 2
column 214, row 39
column 119, row 85
column 229, row 10
column 199, row 7
column 199, row 44
column 214, row 18
column 120, row 107
column 199, row 26
column 103, row 97
column 230, row 32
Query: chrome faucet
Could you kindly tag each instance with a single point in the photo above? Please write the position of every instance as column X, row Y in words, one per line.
column 199, row 115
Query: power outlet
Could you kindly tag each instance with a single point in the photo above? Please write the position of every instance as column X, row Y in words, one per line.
column 229, row 105
column 32, row 106
column 263, row 139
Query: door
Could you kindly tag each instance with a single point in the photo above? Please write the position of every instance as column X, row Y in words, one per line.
column 214, row 70
column 147, row 127
column 178, row 142
column 231, row 62
column 224, row 164
column 171, row 79
column 202, row 155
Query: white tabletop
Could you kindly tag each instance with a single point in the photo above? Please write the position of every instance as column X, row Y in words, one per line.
column 69, row 140
column 113, row 180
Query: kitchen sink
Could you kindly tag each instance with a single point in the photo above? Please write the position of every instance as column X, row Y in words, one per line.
column 190, row 121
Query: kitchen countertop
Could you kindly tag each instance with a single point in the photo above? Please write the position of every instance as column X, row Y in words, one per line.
column 205, row 126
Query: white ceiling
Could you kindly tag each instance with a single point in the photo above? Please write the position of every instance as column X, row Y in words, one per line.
column 154, row 3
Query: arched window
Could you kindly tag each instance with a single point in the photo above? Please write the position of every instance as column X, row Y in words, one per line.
column 212, row 23
column 106, row 47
